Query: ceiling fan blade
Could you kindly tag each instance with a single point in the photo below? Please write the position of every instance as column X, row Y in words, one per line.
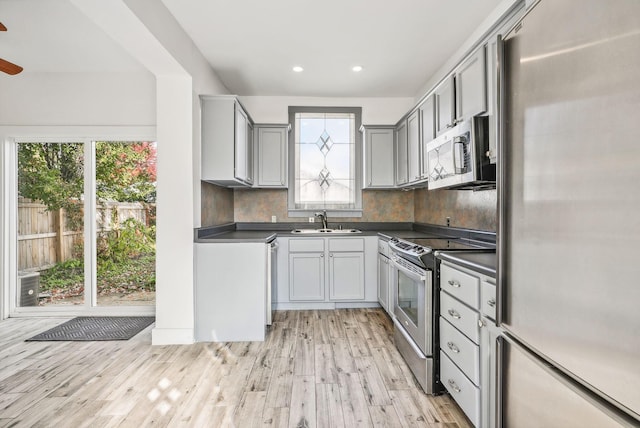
column 9, row 67
column 2, row 27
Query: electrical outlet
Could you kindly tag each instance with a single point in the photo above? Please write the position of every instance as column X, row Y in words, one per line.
column 274, row 219
column 312, row 219
column 448, row 221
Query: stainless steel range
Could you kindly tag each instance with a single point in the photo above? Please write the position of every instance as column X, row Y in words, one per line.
column 415, row 303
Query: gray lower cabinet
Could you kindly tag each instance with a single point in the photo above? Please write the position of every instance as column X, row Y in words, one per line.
column 306, row 276
column 346, row 275
column 271, row 147
column 379, row 166
column 468, row 341
column 383, row 282
column 318, row 272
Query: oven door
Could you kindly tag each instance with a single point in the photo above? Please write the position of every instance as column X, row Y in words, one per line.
column 413, row 305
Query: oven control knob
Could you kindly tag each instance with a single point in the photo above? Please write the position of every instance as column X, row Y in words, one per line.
column 419, row 250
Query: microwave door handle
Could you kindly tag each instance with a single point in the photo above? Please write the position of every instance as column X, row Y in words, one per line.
column 458, row 155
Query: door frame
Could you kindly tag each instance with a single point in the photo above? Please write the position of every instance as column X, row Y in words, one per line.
column 10, row 137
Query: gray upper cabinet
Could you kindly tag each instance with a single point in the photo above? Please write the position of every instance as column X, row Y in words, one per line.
column 402, row 173
column 226, row 143
column 445, row 105
column 471, row 86
column 428, row 129
column 379, row 166
column 413, row 147
column 271, row 145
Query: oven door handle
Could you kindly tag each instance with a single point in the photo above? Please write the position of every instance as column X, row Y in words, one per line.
column 408, row 272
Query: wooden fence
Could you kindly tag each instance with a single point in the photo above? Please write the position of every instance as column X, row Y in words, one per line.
column 44, row 238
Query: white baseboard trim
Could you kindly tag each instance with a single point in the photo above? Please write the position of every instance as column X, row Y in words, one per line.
column 302, row 306
column 172, row 336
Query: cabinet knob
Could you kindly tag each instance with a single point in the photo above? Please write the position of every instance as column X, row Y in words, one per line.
column 453, row 283
column 331, row 255
column 481, row 323
column 453, row 347
column 454, row 314
column 322, row 255
column 453, row 385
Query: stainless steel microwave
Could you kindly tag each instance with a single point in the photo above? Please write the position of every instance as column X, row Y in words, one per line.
column 458, row 158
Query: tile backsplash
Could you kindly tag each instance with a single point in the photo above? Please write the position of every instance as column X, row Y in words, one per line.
column 217, row 204
column 465, row 208
column 258, row 205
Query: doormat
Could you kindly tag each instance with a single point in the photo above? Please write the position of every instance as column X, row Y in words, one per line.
column 83, row 329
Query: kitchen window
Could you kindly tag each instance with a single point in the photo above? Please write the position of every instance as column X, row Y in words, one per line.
column 326, row 150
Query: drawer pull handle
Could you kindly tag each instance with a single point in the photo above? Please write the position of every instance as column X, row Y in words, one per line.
column 491, row 302
column 453, row 283
column 453, row 385
column 453, row 347
column 454, row 314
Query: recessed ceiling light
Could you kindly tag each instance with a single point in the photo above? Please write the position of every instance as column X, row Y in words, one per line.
column 298, row 69
column 357, row 68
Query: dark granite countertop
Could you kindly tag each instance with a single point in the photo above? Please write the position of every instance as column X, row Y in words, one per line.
column 481, row 262
column 266, row 232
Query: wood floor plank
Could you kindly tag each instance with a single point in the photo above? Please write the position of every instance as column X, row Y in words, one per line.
column 302, row 413
column 275, row 417
column 315, row 368
column 384, row 416
column 374, row 388
column 279, row 391
column 343, row 356
column 325, row 364
column 354, row 404
column 329, row 406
column 249, row 411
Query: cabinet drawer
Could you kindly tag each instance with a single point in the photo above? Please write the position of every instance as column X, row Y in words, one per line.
column 488, row 299
column 460, row 284
column 466, row 394
column 462, row 351
column 346, row 244
column 460, row 316
column 306, row 245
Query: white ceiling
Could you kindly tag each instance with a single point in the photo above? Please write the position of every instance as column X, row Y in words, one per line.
column 253, row 44
column 54, row 36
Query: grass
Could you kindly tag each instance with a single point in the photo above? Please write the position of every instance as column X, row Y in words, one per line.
column 127, row 276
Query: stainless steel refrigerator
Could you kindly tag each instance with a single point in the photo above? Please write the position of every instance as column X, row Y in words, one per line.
column 569, row 216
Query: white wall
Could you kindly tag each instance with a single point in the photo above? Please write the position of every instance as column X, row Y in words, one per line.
column 112, row 99
column 483, row 29
column 375, row 111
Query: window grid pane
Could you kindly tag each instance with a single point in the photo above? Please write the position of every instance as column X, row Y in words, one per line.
column 325, row 168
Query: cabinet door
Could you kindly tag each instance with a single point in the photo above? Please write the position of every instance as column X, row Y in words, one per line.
column 401, row 154
column 383, row 282
column 471, row 86
column 428, row 130
column 445, row 108
column 306, row 276
column 249, row 142
column 272, row 156
column 241, row 144
column 346, row 276
column 379, row 166
column 413, row 146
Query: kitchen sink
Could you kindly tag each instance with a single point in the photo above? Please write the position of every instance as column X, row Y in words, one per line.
column 325, row 231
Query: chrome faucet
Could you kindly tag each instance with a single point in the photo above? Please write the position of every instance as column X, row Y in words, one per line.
column 323, row 218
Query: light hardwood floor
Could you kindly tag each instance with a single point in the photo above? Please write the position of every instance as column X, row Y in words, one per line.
column 316, row 369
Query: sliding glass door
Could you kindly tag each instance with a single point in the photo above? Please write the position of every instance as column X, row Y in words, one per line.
column 85, row 224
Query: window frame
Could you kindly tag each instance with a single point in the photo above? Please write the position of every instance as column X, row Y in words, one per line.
column 353, row 212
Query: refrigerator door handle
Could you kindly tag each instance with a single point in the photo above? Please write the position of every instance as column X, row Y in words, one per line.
column 501, row 181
